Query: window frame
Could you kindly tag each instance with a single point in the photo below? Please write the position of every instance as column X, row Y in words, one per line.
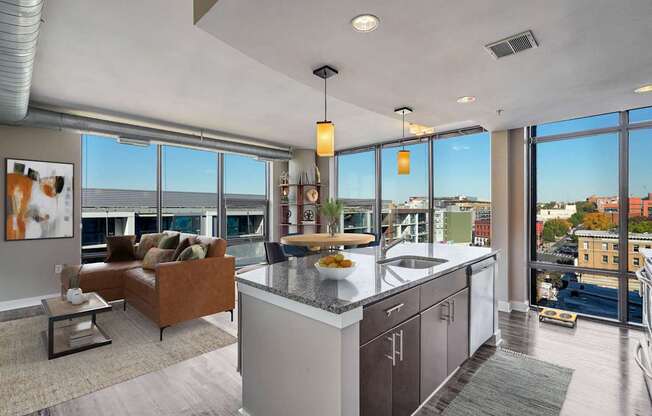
column 377, row 149
column 621, row 247
column 220, row 195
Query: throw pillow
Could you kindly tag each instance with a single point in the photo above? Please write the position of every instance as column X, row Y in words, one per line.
column 155, row 256
column 169, row 241
column 147, row 241
column 120, row 248
column 194, row 252
column 184, row 244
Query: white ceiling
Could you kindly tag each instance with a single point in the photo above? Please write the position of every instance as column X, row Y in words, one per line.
column 247, row 67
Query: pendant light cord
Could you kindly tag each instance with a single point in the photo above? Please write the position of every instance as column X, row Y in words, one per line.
column 325, row 102
column 403, row 141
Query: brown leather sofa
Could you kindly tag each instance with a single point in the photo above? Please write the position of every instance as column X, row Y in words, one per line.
column 172, row 293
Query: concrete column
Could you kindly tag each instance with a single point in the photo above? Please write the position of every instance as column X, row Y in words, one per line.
column 500, row 213
column 509, row 218
column 275, row 171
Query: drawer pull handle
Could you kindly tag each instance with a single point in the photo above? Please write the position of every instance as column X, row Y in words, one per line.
column 393, row 309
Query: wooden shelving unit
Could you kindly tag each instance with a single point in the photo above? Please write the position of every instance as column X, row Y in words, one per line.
column 299, row 207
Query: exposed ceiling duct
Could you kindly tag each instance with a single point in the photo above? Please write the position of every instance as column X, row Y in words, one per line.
column 19, row 27
column 203, row 139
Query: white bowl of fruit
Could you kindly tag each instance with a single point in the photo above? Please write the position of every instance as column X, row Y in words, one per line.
column 335, row 267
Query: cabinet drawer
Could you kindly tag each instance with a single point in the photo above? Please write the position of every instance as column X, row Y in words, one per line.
column 379, row 317
column 439, row 289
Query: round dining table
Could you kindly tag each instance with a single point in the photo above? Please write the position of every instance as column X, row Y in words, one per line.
column 325, row 240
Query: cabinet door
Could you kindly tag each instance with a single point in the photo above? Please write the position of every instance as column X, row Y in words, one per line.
column 376, row 377
column 405, row 374
column 434, row 345
column 458, row 330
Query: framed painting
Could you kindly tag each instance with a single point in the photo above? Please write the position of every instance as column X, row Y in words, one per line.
column 39, row 200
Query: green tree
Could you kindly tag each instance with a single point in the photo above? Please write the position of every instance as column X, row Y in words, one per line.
column 555, row 228
column 640, row 225
column 577, row 218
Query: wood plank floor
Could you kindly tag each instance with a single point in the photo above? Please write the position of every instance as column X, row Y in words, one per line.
column 606, row 380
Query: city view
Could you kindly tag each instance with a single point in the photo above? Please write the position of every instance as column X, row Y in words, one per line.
column 461, row 206
column 577, row 217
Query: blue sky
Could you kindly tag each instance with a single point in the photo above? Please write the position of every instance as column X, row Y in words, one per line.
column 462, row 167
column 110, row 165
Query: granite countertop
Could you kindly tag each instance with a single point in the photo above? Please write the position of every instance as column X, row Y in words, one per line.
column 299, row 280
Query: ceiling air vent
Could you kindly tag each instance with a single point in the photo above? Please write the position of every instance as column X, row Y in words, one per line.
column 511, row 45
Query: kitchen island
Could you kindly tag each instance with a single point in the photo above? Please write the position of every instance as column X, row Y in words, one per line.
column 377, row 343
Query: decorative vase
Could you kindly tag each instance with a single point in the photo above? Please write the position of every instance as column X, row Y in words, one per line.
column 332, row 228
column 75, row 296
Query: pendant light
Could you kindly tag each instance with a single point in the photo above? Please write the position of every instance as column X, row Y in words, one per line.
column 403, row 156
column 325, row 129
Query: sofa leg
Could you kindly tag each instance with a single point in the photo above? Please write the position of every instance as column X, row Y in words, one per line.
column 124, row 305
column 162, row 329
column 231, row 315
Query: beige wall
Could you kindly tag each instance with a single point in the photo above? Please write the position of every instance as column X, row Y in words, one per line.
column 27, row 267
column 508, row 217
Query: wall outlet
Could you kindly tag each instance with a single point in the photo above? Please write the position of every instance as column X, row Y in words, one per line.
column 58, row 268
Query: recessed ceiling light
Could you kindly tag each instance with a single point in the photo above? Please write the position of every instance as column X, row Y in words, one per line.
column 365, row 22
column 644, row 88
column 466, row 99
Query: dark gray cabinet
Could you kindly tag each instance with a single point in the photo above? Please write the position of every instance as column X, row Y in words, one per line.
column 411, row 342
column 458, row 330
column 444, row 340
column 389, row 371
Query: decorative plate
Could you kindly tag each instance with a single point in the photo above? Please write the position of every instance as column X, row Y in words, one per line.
column 312, row 195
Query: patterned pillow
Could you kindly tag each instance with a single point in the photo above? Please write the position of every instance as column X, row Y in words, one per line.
column 194, row 252
column 120, row 248
column 184, row 244
column 147, row 241
column 155, row 256
column 169, row 241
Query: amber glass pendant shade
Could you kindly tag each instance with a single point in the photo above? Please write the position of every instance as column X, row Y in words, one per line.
column 403, row 160
column 325, row 139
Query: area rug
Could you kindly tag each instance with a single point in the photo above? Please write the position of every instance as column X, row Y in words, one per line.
column 513, row 384
column 30, row 382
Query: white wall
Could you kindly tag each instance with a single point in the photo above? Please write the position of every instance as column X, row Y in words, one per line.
column 27, row 267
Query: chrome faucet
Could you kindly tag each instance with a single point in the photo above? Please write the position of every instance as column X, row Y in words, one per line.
column 385, row 247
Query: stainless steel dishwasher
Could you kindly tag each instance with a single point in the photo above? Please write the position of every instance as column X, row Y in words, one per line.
column 482, row 305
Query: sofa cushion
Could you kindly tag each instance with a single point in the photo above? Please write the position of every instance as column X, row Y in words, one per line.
column 155, row 256
column 141, row 283
column 194, row 252
column 147, row 241
column 120, row 248
column 97, row 276
column 169, row 242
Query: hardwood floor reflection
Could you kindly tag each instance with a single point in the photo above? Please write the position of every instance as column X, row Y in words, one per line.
column 606, row 380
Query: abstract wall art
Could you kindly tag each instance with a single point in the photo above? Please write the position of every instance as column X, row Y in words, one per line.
column 39, row 200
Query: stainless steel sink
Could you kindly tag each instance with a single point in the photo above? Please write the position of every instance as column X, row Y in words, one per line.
column 412, row 262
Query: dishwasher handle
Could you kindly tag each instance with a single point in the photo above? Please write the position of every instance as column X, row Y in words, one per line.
column 480, row 266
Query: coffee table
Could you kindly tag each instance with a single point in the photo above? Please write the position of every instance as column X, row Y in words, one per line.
column 57, row 338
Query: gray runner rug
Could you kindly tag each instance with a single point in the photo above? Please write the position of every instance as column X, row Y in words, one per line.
column 513, row 384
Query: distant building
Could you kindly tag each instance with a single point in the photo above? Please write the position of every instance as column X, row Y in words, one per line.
column 556, row 213
column 638, row 207
column 482, row 232
column 599, row 250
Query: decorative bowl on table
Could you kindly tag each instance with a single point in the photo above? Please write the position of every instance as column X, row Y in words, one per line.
column 335, row 267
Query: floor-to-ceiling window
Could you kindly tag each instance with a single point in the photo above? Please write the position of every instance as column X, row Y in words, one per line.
column 462, row 188
column 118, row 192
column 356, row 184
column 405, row 196
column 189, row 190
column 590, row 213
column 121, row 189
column 451, row 168
column 245, row 196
